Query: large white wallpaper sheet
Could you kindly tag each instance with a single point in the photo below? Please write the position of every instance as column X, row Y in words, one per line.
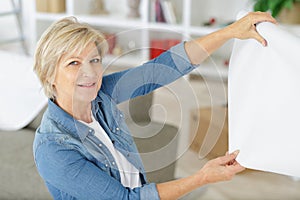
column 264, row 101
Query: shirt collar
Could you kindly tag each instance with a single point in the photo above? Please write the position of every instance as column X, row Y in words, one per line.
column 73, row 126
column 96, row 104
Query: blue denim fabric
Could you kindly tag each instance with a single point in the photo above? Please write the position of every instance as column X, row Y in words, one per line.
column 74, row 163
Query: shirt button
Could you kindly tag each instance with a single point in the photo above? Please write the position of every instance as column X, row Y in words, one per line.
column 90, row 130
column 100, row 145
column 113, row 163
column 117, row 129
column 106, row 165
column 121, row 115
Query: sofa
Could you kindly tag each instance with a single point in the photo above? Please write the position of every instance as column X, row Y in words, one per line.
column 20, row 179
column 18, row 174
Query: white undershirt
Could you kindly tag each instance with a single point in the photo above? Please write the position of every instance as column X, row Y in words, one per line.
column 129, row 174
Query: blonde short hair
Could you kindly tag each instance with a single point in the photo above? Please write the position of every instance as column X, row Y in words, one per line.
column 64, row 36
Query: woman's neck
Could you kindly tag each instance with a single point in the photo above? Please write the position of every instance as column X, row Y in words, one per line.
column 78, row 110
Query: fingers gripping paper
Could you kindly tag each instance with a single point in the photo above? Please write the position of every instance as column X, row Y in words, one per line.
column 264, row 101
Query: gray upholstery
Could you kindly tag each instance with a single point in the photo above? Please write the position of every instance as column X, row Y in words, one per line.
column 156, row 142
column 19, row 178
column 18, row 174
column 139, row 108
column 160, row 164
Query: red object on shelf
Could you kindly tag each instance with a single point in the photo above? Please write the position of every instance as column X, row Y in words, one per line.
column 159, row 46
column 156, row 48
column 111, row 41
column 212, row 21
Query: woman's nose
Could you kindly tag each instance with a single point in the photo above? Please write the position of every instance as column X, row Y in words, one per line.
column 88, row 71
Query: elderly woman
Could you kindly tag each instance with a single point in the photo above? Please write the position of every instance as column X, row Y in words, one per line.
column 83, row 148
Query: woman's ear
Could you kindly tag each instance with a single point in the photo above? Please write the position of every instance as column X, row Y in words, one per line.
column 51, row 81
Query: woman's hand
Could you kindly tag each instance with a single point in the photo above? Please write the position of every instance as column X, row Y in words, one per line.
column 220, row 169
column 245, row 27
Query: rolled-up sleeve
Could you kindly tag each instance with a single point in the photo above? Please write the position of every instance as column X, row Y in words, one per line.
column 141, row 80
column 181, row 59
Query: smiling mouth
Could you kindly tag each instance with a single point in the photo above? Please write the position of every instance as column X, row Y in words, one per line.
column 87, row 85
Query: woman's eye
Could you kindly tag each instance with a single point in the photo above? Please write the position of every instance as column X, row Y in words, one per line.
column 96, row 60
column 74, row 63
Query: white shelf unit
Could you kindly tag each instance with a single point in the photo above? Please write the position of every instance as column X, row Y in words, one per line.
column 191, row 15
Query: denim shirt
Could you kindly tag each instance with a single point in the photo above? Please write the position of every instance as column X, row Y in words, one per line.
column 74, row 163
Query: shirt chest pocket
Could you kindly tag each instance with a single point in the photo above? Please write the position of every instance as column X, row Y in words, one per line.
column 99, row 159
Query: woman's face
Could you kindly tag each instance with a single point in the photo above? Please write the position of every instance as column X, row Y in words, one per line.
column 79, row 77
